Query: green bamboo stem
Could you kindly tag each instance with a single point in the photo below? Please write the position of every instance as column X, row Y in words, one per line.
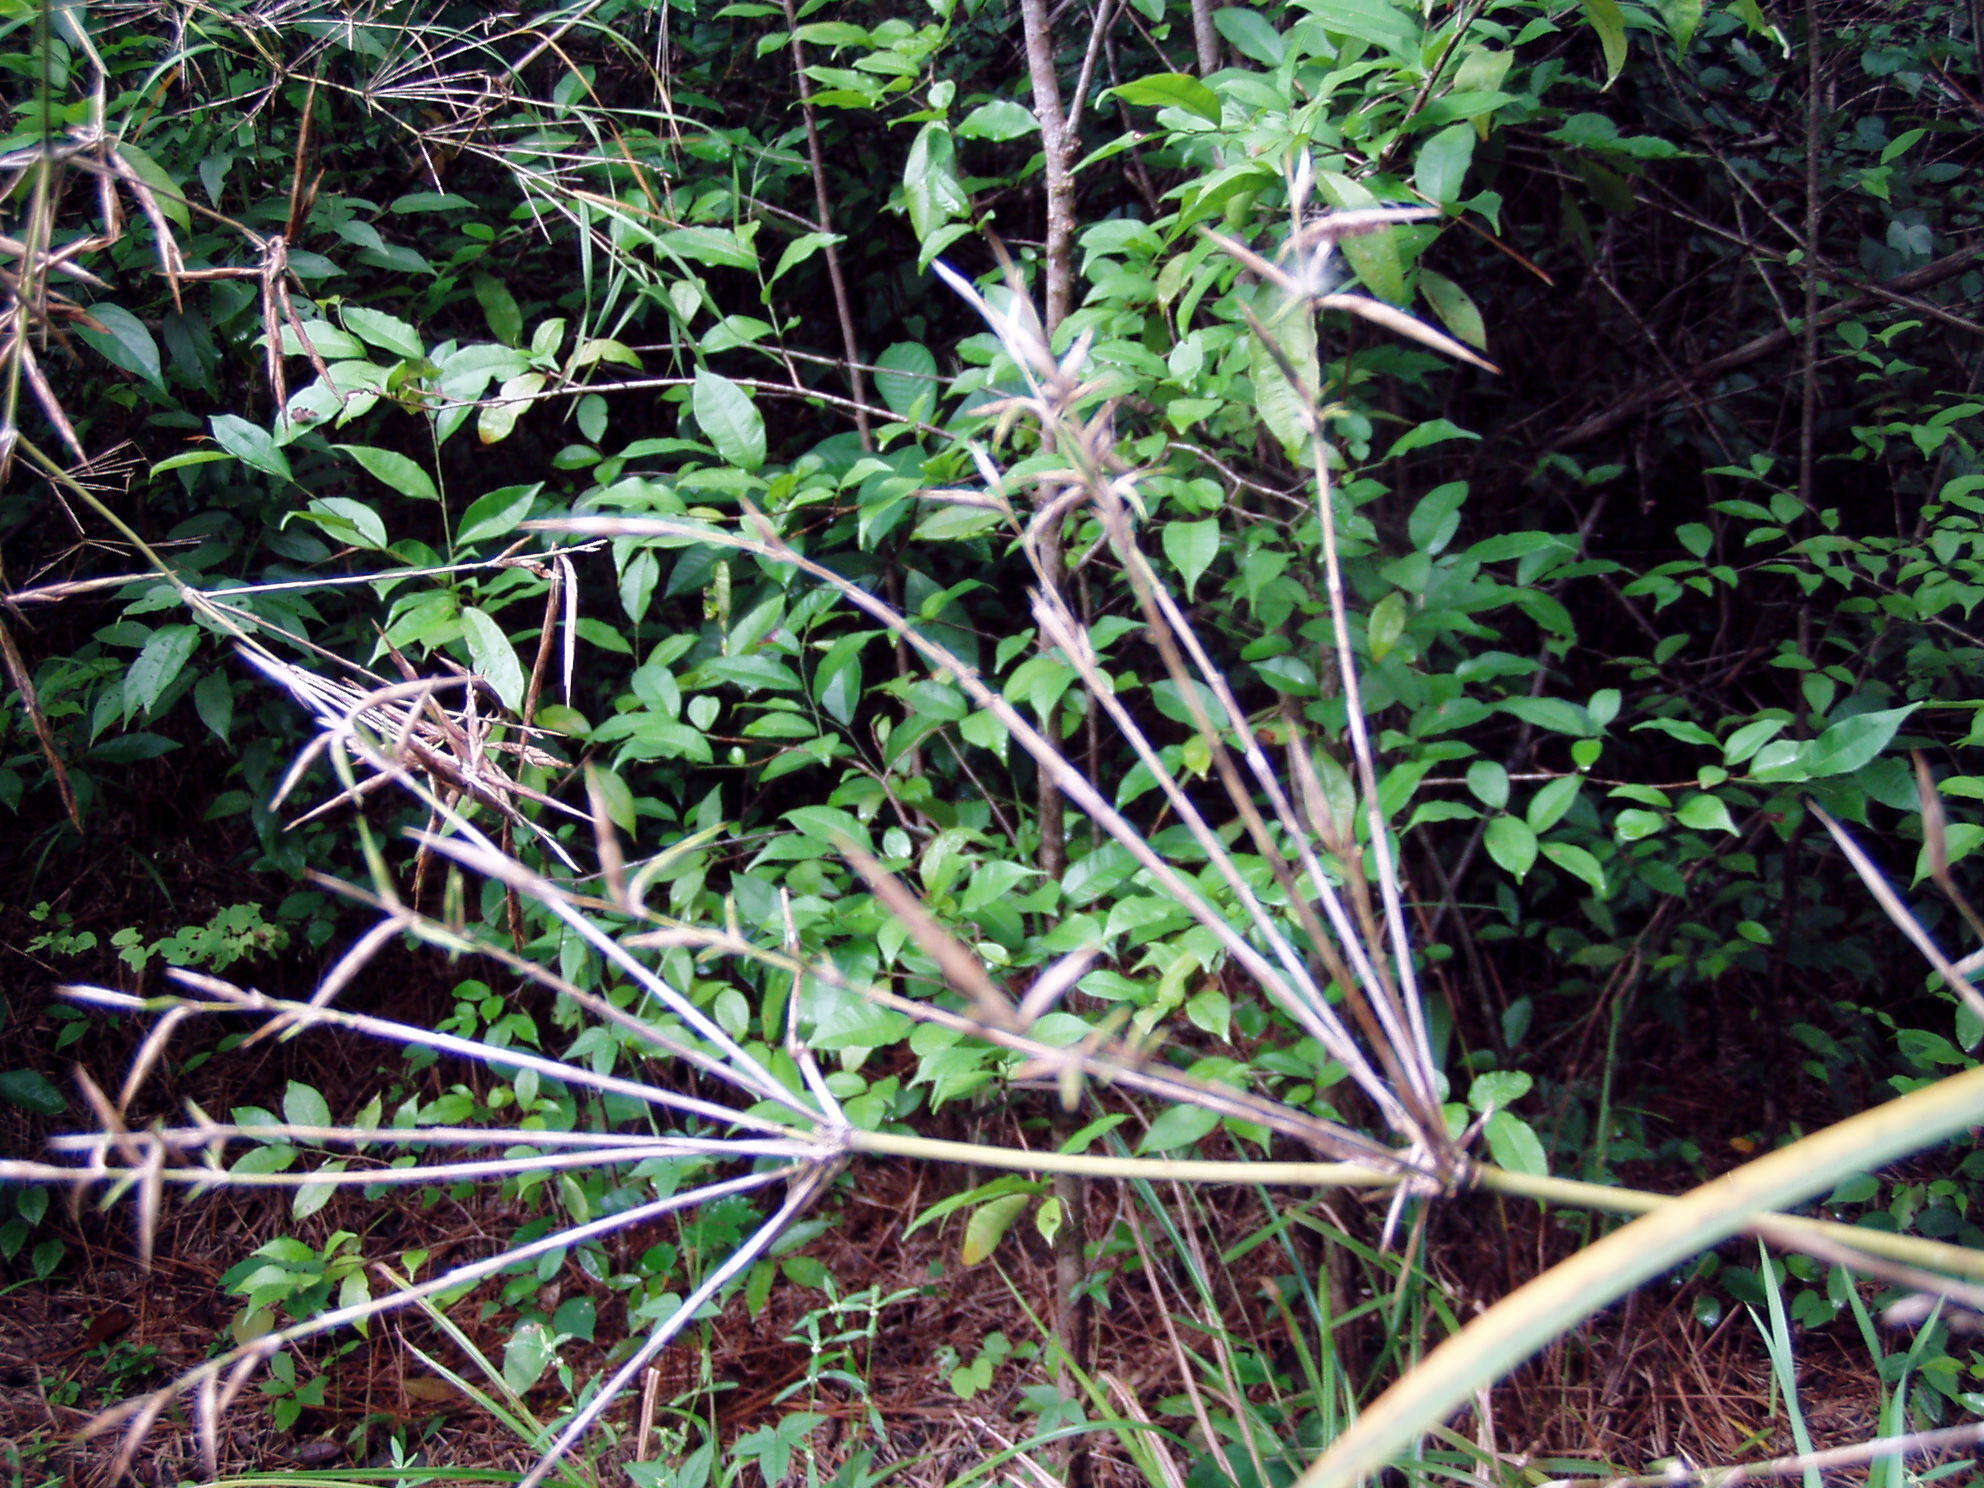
column 1934, row 1254
column 1100, row 1165
column 1562, row 1297
column 1937, row 1255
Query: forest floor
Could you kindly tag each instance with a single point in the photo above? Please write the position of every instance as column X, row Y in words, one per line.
column 1647, row 1381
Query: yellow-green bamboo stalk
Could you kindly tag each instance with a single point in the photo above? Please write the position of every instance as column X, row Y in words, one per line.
column 1559, row 1299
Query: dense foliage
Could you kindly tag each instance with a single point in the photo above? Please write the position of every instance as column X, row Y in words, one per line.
column 1657, row 492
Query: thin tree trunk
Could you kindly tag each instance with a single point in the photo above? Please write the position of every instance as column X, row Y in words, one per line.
column 823, row 211
column 1057, row 149
column 1205, row 40
column 1808, row 401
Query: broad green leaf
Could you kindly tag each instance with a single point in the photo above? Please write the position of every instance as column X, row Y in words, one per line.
column 1609, row 21
column 799, row 250
column 710, row 245
column 496, row 513
column 1705, row 814
column 828, row 824
column 124, row 342
column 33, row 1091
column 1292, row 328
column 1178, row 1126
column 954, row 521
column 1682, row 18
column 190, row 458
column 1751, row 737
column 251, row 444
column 1852, row 742
column 494, row 657
column 1489, row 783
column 213, row 700
column 394, row 470
column 1580, row 864
column 1212, row 1012
column 1498, row 1089
column 303, row 1105
column 1512, row 844
column 1386, row 625
column 1172, row 90
column 1375, row 256
column 1552, row 799
column 1191, row 547
column 495, row 420
column 906, row 378
column 387, row 332
column 347, row 520
column 837, row 684
column 165, row 655
column 1554, row 714
column 729, row 419
column 331, row 343
column 1001, row 119
column 1436, row 517
column 638, row 577
column 168, row 193
column 499, row 309
column 1442, row 163
column 1376, row 21
column 1250, row 34
column 1633, row 824
column 603, row 349
column 929, row 182
column 1457, row 311
column 1514, row 1145
column 526, row 1355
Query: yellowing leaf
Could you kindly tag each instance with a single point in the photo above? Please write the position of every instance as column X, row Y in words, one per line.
column 988, row 1225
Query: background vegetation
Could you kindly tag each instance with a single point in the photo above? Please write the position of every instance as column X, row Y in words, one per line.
column 309, row 309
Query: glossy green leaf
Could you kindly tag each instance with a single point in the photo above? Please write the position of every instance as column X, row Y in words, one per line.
column 1456, row 310
column 710, row 245
column 124, row 342
column 1176, row 1127
column 1514, row 1145
column 251, row 444
column 1172, row 90
column 1852, row 742
column 169, row 195
column 729, row 419
column 1001, row 119
column 31, row 1090
column 1552, row 799
column 494, row 657
column 496, row 513
column 1512, row 845
column 499, row 308
column 906, row 378
column 1705, row 814
column 1609, row 21
column 1377, row 21
column 1579, row 863
column 1489, row 784
column 1250, row 34
column 157, row 666
column 394, row 471
column 1191, row 548
column 1442, row 163
column 387, row 332
column 929, row 182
